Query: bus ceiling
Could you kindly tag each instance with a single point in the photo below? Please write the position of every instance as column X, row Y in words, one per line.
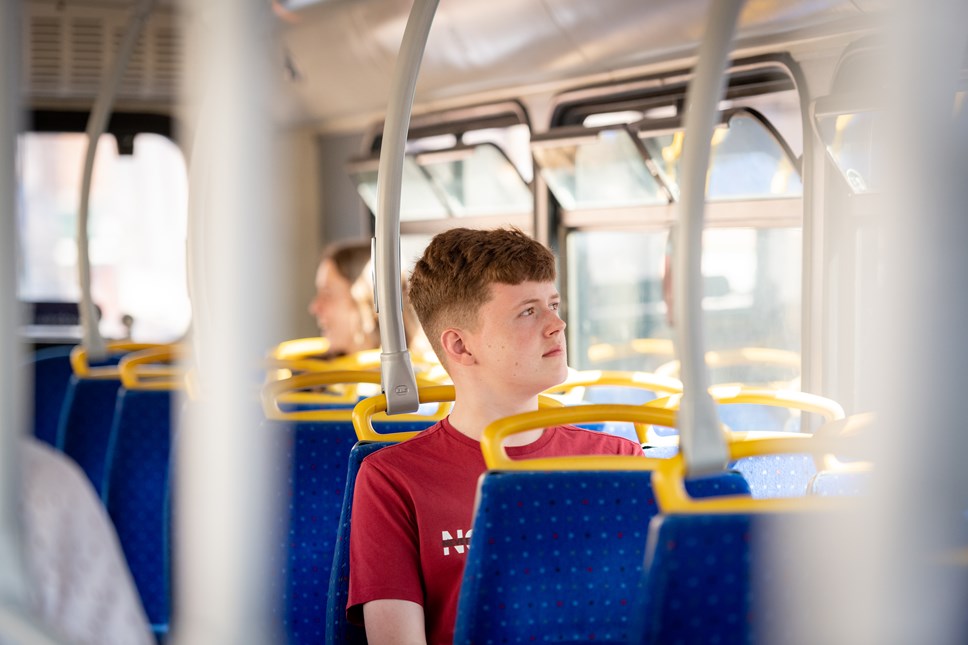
column 346, row 79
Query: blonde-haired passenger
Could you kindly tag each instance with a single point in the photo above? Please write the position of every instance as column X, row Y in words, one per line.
column 343, row 305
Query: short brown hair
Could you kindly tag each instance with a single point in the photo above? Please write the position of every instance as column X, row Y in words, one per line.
column 453, row 279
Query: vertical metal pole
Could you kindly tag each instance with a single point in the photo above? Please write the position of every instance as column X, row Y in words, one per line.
column 225, row 468
column 17, row 624
column 399, row 383
column 702, row 443
column 96, row 124
column 920, row 494
column 13, row 583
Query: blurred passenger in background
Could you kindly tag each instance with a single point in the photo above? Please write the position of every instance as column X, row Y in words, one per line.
column 344, row 308
column 83, row 589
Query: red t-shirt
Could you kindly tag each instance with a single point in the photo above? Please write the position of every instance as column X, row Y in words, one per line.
column 412, row 513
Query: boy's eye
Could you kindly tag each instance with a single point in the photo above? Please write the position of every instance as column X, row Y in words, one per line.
column 528, row 312
column 554, row 306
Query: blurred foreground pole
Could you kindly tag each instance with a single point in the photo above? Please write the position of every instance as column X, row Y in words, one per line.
column 224, row 466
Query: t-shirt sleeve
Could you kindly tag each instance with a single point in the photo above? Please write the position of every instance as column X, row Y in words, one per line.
column 629, row 447
column 384, row 543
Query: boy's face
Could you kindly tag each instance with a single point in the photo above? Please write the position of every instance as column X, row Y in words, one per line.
column 519, row 341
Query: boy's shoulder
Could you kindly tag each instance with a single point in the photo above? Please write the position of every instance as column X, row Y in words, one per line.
column 414, row 448
column 596, row 441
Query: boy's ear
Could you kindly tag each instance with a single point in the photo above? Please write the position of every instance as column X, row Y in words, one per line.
column 452, row 341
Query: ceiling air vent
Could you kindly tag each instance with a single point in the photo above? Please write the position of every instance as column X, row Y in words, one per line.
column 72, row 47
column 86, row 54
column 45, row 53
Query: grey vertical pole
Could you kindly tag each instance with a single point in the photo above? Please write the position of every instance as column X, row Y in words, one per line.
column 13, row 583
column 96, row 125
column 702, row 443
column 399, row 383
column 920, row 492
column 225, row 479
column 17, row 625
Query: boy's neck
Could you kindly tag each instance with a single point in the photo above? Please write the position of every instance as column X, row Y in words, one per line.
column 470, row 416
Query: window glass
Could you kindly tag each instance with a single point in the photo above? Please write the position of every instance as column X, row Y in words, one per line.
column 746, row 161
column 616, row 298
column 849, row 141
column 478, row 181
column 418, row 198
column 136, row 228
column 601, row 171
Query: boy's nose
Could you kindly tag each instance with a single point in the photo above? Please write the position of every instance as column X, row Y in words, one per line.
column 555, row 323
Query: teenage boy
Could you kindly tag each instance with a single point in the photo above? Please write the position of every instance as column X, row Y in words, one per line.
column 488, row 303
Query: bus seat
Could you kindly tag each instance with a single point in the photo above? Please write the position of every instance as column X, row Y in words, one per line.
column 318, row 453
column 372, row 436
column 558, row 543
column 51, row 369
column 137, row 472
column 84, row 429
column 136, row 494
column 559, row 555
column 338, row 630
column 777, row 475
column 702, row 554
column 697, row 587
column 837, row 484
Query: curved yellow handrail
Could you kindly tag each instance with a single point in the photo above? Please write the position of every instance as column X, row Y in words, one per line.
column 82, row 367
column 306, row 355
column 153, row 369
column 850, row 426
column 740, row 356
column 668, row 479
column 276, row 392
column 732, row 394
column 496, row 457
column 365, row 410
column 641, row 380
column 600, row 352
column 298, row 348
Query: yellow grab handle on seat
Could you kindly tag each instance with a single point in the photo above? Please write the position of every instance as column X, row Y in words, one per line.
column 496, row 457
column 82, row 368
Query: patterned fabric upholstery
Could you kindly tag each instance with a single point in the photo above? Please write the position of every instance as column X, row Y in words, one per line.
column 85, row 425
column 136, row 494
column 777, row 475
column 338, row 628
column 51, row 373
column 557, row 556
column 699, row 587
column 831, row 484
column 316, row 454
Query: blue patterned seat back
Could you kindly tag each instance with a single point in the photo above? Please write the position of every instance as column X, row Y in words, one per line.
column 752, row 417
column 777, row 475
column 84, row 429
column 839, row 484
column 339, row 631
column 136, row 494
column 558, row 556
column 317, row 453
column 51, row 368
column 699, row 581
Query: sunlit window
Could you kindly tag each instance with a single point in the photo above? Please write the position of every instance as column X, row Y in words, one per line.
column 137, row 228
column 751, row 297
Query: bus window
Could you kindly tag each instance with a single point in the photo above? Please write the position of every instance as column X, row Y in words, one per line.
column 614, row 301
column 752, row 295
column 137, row 228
